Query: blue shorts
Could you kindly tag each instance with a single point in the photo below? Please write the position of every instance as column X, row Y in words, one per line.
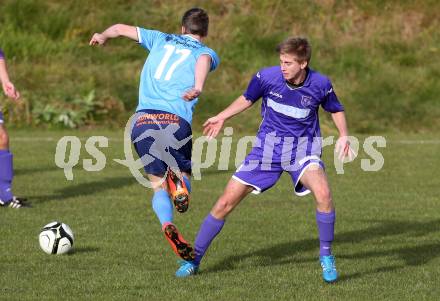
column 263, row 176
column 162, row 140
column 2, row 120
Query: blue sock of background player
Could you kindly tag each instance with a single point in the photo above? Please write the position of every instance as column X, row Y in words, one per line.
column 6, row 176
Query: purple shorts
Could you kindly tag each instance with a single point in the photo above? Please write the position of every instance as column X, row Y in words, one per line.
column 1, row 118
column 263, row 176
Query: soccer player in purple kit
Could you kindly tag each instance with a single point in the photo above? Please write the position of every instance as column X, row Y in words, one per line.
column 288, row 140
column 7, row 199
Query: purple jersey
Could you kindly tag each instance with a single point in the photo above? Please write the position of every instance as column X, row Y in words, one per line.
column 290, row 114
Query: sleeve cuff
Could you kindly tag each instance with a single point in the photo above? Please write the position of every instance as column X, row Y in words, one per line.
column 139, row 35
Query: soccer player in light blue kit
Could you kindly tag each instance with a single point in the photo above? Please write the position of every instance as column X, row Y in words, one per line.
column 289, row 141
column 7, row 199
column 171, row 81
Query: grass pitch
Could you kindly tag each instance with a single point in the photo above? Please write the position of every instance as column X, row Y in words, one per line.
column 387, row 232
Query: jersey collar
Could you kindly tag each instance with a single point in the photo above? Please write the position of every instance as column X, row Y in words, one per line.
column 305, row 83
column 189, row 36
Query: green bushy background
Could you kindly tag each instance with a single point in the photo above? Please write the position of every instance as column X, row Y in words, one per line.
column 382, row 56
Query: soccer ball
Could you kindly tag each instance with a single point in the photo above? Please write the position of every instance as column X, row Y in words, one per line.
column 56, row 238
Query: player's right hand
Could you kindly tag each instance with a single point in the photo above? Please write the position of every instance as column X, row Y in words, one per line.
column 212, row 127
column 191, row 94
column 10, row 91
column 98, row 39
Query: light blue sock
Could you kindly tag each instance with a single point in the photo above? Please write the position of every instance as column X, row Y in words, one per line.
column 162, row 206
column 187, row 183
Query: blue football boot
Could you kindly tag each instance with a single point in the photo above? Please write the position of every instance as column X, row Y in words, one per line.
column 329, row 273
column 187, row 268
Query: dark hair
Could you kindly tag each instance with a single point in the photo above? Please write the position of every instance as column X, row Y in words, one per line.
column 196, row 21
column 297, row 46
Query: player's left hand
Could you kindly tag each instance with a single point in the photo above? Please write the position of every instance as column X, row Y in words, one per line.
column 191, row 94
column 10, row 91
column 343, row 149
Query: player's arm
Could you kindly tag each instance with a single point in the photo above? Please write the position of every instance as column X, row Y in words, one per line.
column 343, row 144
column 340, row 123
column 331, row 104
column 253, row 92
column 213, row 125
column 114, row 31
column 8, row 87
column 203, row 66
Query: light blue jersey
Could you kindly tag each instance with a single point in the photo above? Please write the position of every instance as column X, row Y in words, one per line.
column 169, row 71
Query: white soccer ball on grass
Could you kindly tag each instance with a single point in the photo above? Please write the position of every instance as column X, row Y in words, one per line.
column 56, row 238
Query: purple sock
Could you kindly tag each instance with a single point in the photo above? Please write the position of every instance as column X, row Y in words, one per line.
column 208, row 231
column 6, row 175
column 326, row 228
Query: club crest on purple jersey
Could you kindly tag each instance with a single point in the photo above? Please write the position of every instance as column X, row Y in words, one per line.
column 306, row 101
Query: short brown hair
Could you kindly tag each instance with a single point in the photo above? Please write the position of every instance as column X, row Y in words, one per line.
column 196, row 21
column 297, row 46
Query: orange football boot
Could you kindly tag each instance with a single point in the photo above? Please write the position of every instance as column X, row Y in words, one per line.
column 178, row 191
column 179, row 245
